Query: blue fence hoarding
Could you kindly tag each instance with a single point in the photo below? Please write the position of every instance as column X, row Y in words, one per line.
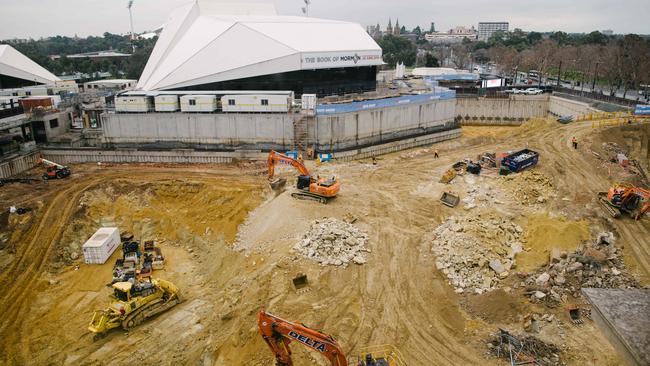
column 642, row 110
column 325, row 109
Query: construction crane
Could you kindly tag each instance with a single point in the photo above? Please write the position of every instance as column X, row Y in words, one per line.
column 309, row 188
column 626, row 198
column 279, row 333
column 54, row 170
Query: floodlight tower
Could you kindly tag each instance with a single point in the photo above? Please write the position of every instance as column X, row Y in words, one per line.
column 131, row 21
column 305, row 9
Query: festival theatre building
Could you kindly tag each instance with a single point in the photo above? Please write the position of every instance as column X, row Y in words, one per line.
column 216, row 46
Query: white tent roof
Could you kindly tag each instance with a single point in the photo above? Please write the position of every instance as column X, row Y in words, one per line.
column 17, row 65
column 200, row 45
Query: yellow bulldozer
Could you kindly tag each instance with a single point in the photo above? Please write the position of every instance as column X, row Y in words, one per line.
column 132, row 303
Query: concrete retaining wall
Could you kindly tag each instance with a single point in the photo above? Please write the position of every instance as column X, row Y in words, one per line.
column 224, row 131
column 18, row 164
column 357, row 130
column 567, row 107
column 501, row 111
column 70, row 156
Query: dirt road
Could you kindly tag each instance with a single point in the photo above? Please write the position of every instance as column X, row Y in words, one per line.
column 397, row 298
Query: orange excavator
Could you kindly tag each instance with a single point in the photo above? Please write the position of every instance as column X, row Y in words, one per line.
column 626, row 198
column 279, row 333
column 309, row 188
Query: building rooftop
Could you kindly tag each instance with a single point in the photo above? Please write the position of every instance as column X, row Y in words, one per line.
column 19, row 66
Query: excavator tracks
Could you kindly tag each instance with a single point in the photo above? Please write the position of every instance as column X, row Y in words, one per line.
column 611, row 210
column 309, row 197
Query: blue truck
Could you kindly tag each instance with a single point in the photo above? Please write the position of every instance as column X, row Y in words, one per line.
column 520, row 160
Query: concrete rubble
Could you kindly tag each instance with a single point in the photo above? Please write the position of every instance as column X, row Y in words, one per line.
column 596, row 264
column 333, row 242
column 529, row 187
column 476, row 252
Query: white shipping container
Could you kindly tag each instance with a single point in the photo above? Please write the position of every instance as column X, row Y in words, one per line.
column 256, row 103
column 166, row 103
column 308, row 101
column 133, row 104
column 198, row 103
column 101, row 245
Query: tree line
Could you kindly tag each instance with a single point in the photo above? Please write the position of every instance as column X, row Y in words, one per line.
column 41, row 50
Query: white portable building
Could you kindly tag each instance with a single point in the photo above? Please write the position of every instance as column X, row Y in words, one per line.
column 256, row 103
column 101, row 245
column 133, row 104
column 198, row 103
column 308, row 101
column 166, row 103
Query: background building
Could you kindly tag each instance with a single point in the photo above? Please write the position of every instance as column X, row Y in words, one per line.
column 17, row 70
column 208, row 46
column 455, row 35
column 487, row 29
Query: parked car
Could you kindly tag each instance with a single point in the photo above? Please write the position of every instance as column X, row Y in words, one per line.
column 533, row 91
column 514, row 91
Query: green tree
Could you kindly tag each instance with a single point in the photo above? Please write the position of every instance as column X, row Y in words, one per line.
column 397, row 49
column 561, row 38
column 430, row 60
column 533, row 37
column 417, row 30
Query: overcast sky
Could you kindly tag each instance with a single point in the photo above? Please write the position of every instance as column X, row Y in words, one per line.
column 42, row 18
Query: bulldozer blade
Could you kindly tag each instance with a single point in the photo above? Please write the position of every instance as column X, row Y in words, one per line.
column 278, row 184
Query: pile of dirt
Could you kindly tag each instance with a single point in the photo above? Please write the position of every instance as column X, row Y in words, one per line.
column 596, row 264
column 529, row 187
column 333, row 242
column 496, row 306
column 476, row 251
column 524, row 349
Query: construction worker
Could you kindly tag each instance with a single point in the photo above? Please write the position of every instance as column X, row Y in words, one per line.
column 574, row 142
column 435, row 154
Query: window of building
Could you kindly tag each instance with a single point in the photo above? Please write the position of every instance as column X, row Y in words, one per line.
column 54, row 123
column 265, row 102
column 28, row 93
column 231, row 102
column 192, row 101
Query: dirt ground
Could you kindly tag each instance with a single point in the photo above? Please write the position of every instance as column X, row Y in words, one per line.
column 228, row 242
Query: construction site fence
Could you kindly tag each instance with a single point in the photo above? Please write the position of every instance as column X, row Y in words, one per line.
column 18, row 164
column 611, row 122
column 598, row 96
column 605, row 115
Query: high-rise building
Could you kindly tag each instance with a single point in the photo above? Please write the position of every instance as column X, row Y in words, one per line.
column 487, row 29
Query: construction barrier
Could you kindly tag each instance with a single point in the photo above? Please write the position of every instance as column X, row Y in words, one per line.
column 603, row 123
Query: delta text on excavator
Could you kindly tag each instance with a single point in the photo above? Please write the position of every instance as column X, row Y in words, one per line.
column 279, row 333
column 309, row 188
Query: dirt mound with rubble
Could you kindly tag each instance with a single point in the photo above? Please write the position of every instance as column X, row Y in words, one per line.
column 529, row 187
column 476, row 251
column 333, row 242
column 596, row 264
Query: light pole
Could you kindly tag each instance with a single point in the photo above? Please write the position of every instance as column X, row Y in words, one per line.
column 582, row 83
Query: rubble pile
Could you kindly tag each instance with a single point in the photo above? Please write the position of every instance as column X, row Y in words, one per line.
column 475, row 252
column 529, row 187
column 597, row 264
column 479, row 194
column 524, row 350
column 333, row 242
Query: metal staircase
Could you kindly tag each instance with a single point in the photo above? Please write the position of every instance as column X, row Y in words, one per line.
column 300, row 133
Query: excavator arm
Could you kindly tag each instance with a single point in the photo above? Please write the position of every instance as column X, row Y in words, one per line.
column 276, row 157
column 279, row 333
column 50, row 163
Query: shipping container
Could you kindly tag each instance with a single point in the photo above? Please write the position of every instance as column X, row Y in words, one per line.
column 133, row 104
column 256, row 103
column 198, row 103
column 166, row 103
column 32, row 103
column 101, row 245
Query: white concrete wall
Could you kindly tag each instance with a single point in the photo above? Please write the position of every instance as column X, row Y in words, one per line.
column 357, row 129
column 18, row 165
column 219, row 130
column 515, row 108
column 567, row 107
column 180, row 156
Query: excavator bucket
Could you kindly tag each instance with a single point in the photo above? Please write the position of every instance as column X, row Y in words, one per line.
column 300, row 281
column 278, row 184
